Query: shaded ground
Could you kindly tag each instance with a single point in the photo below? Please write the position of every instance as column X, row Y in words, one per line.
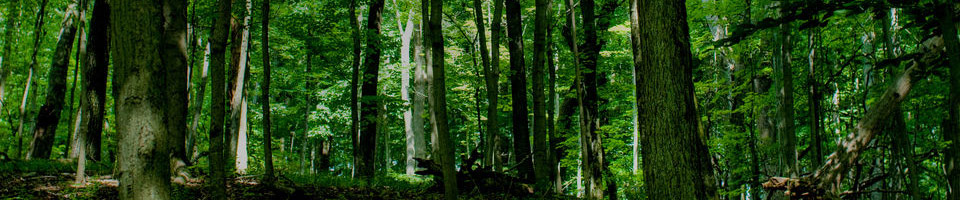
column 55, row 180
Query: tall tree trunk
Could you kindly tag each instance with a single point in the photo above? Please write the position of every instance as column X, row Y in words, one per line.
column 9, row 38
column 553, row 108
column 951, row 158
column 355, row 87
column 592, row 155
column 635, row 46
column 490, row 78
column 218, row 43
column 25, row 106
column 492, row 75
column 676, row 162
column 816, row 115
column 518, row 82
column 420, row 93
column 369, row 103
column 237, row 83
column 140, row 76
column 265, row 93
column 540, row 153
column 439, row 103
column 174, row 57
column 408, row 124
column 81, row 51
column 197, row 105
column 783, row 76
column 49, row 116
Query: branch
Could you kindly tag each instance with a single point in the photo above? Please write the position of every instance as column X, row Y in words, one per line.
column 826, row 180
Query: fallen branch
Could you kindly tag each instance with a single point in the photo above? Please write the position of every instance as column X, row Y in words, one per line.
column 825, row 182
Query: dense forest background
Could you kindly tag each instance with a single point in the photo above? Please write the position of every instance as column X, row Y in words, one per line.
column 617, row 99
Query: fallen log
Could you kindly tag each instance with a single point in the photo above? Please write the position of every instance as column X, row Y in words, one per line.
column 826, row 181
column 472, row 177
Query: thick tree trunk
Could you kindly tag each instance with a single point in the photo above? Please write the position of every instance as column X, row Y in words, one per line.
column 786, row 137
column 143, row 162
column 492, row 75
column 174, row 57
column 951, row 158
column 355, row 87
column 439, row 104
column 265, row 93
column 49, row 116
column 218, row 42
column 420, row 93
column 540, row 140
column 518, row 82
column 676, row 162
column 369, row 103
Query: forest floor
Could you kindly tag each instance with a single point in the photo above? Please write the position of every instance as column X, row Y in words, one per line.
column 56, row 180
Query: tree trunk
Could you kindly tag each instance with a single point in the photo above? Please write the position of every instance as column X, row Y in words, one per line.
column 81, row 51
column 553, row 108
column 676, row 162
column 783, row 76
column 635, row 46
column 540, row 153
column 237, row 83
column 49, row 116
column 9, row 38
column 816, row 115
column 355, row 87
column 492, row 75
column 174, row 56
column 439, row 104
column 265, row 93
column 420, row 93
column 140, row 76
column 405, row 93
column 592, row 155
column 218, row 42
column 369, row 103
column 951, row 158
column 25, row 105
column 518, row 81
column 198, row 107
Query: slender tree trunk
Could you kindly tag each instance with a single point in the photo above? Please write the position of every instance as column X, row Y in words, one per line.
column 237, row 83
column 492, row 75
column 74, row 118
column 218, row 43
column 174, row 57
column 369, row 103
column 9, row 38
column 94, row 84
column 635, row 46
column 265, row 93
column 48, row 117
column 521, row 133
column 138, row 59
column 676, row 163
column 552, row 109
column 24, row 104
column 198, row 107
column 355, row 87
column 783, row 75
column 491, row 78
column 951, row 158
column 540, row 153
column 439, row 104
column 816, row 116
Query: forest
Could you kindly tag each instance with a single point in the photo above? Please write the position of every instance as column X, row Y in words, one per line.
column 480, row 99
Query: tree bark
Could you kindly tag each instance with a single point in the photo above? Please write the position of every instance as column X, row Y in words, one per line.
column 783, row 77
column 635, row 46
column 48, row 117
column 408, row 124
column 439, row 104
column 174, row 58
column 218, row 43
column 540, row 140
column 198, row 107
column 592, row 155
column 9, row 38
column 143, row 160
column 237, row 87
column 951, row 157
column 676, row 163
column 369, row 102
column 420, row 92
column 518, row 81
column 26, row 106
column 265, row 93
column 492, row 75
column 355, row 87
